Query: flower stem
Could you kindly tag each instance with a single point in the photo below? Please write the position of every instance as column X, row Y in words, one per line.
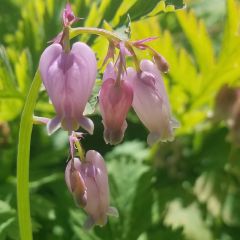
column 77, row 144
column 26, row 124
column 80, row 150
column 98, row 31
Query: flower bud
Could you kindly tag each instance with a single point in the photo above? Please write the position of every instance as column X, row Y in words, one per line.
column 88, row 182
column 225, row 102
column 151, row 102
column 161, row 63
column 115, row 99
column 68, row 16
column 69, row 79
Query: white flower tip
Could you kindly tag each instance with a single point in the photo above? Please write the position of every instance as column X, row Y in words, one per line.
column 113, row 212
column 154, row 137
column 89, row 223
column 174, row 123
column 114, row 137
column 87, row 124
column 53, row 125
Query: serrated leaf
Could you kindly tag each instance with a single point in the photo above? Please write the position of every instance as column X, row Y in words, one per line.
column 23, row 71
column 11, row 100
column 130, row 195
column 231, row 38
column 198, row 37
column 7, row 79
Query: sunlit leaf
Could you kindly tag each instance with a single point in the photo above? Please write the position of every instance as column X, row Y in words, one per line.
column 189, row 218
column 198, row 37
column 141, row 8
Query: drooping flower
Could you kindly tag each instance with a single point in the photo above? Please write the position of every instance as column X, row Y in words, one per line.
column 115, row 99
column 69, row 78
column 88, row 182
column 151, row 102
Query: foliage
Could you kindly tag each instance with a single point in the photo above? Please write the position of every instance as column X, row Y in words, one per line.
column 187, row 189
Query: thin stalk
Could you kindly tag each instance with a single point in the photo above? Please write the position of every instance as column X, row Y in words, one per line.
column 26, row 123
column 97, row 31
column 135, row 58
column 80, row 150
column 79, row 147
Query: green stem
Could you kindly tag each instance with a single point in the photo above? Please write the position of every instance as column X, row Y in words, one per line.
column 23, row 201
column 98, row 31
column 80, row 150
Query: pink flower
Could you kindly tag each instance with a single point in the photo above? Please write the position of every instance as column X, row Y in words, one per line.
column 115, row 99
column 88, row 182
column 69, row 79
column 151, row 102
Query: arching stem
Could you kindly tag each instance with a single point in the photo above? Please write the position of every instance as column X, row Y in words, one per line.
column 26, row 123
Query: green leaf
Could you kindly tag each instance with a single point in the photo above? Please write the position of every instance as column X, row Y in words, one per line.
column 199, row 39
column 142, row 8
column 141, row 212
column 231, row 38
column 11, row 100
column 189, row 218
column 10, row 94
column 130, row 185
column 23, row 71
column 8, row 221
column 7, row 79
column 9, row 109
column 92, row 102
column 163, row 232
column 77, row 218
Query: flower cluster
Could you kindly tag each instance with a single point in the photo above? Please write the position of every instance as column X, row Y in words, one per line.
column 69, row 75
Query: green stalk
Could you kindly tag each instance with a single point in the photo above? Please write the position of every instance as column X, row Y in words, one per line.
column 98, row 31
column 26, row 124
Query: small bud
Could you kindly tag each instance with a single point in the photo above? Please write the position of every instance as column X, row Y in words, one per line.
column 161, row 63
column 110, row 53
column 88, row 182
column 68, row 16
column 225, row 101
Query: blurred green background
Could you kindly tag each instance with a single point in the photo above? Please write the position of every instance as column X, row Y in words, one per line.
column 188, row 189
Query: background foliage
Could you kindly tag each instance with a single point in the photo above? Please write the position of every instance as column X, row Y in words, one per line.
column 187, row 189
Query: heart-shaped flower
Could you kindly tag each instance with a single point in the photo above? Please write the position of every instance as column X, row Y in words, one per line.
column 87, row 180
column 69, row 78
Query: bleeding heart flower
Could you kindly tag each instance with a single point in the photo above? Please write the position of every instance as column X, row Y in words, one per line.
column 69, row 79
column 87, row 180
column 115, row 99
column 151, row 102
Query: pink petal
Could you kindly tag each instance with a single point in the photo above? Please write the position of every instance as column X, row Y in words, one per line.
column 75, row 182
column 114, row 102
column 150, row 102
column 109, row 72
column 69, row 79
